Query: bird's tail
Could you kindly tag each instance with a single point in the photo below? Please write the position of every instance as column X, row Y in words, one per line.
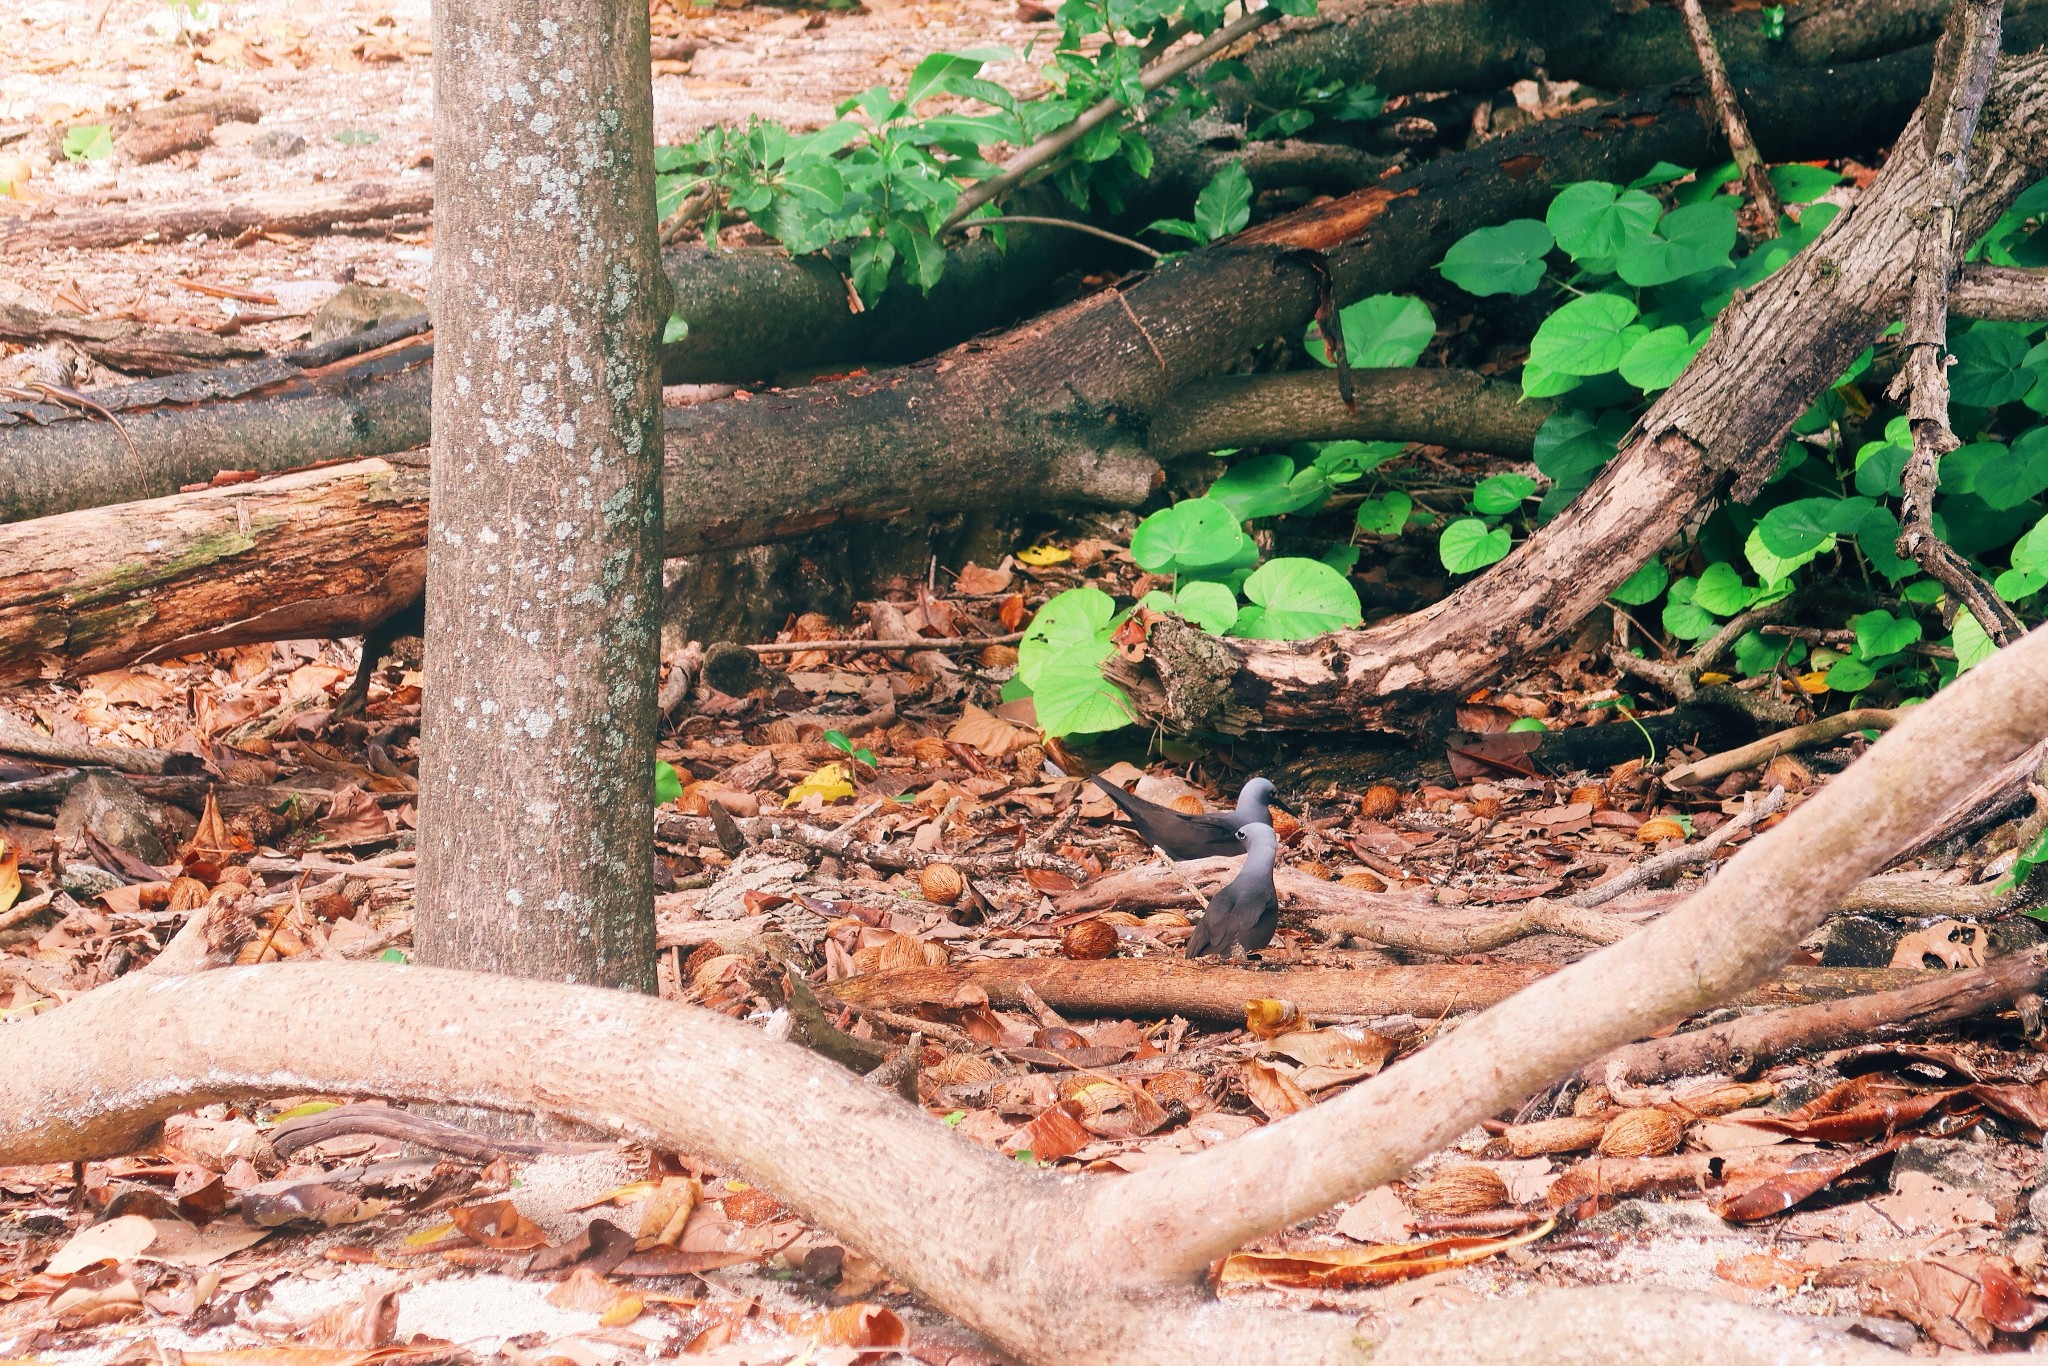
column 1137, row 808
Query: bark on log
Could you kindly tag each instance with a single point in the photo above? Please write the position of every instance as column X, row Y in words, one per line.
column 311, row 553
column 299, row 212
column 239, row 564
column 1060, row 407
column 1485, row 44
column 1714, row 433
column 1168, row 986
column 124, row 344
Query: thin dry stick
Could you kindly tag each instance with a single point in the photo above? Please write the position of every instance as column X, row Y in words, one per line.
column 1685, row 856
column 1718, row 766
column 1963, row 62
column 797, row 647
column 1053, row 144
column 1035, row 220
column 1756, row 181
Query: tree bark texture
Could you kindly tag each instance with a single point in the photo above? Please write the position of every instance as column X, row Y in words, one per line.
column 544, row 536
column 1716, row 432
column 299, row 211
column 1054, row 1270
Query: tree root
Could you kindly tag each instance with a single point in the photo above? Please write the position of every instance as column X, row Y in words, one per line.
column 1051, row 1269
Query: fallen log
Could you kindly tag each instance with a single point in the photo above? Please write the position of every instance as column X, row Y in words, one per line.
column 1052, row 1270
column 1715, row 433
column 298, row 212
column 123, row 343
column 1745, row 1047
column 1389, row 233
column 1171, row 986
column 94, row 588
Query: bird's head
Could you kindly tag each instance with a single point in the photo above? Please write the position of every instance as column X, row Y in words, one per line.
column 1254, row 797
column 1258, row 840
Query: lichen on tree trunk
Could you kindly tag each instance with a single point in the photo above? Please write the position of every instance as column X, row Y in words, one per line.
column 544, row 536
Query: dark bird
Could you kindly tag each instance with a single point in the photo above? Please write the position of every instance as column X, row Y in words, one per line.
column 1212, row 834
column 1245, row 913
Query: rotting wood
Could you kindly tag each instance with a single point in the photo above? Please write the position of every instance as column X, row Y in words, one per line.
column 296, row 212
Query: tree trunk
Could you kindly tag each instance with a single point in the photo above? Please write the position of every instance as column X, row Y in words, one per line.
column 544, row 537
column 1716, row 432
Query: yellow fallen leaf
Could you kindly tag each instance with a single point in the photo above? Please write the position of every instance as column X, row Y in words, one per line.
column 1815, row 682
column 1268, row 1018
column 1715, row 680
column 10, row 874
column 830, row 782
column 439, row 1233
column 1039, row 556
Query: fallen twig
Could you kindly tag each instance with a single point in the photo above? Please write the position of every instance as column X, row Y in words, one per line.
column 797, row 647
column 18, row 739
column 1684, row 856
column 1963, row 64
column 1715, row 767
column 385, row 1122
column 1170, row 986
column 842, row 844
column 1049, row 147
column 1756, row 180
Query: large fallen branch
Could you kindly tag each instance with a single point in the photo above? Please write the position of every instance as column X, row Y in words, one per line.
column 1058, row 410
column 1173, row 986
column 101, row 586
column 1051, row 1269
column 1745, row 1047
column 1716, row 432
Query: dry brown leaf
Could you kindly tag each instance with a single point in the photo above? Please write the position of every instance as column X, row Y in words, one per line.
column 991, row 735
column 1376, row 1265
column 675, row 1199
column 1949, row 943
column 112, row 1241
column 852, row 1325
column 124, row 686
column 10, row 874
column 210, row 842
column 1272, row 1090
column 368, row 1321
column 1331, row 1057
column 353, row 814
column 1056, row 1133
column 498, row 1224
column 973, row 578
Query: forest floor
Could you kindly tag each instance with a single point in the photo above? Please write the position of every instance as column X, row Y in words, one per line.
column 1894, row 1187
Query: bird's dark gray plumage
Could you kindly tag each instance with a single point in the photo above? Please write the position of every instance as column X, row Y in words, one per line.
column 1245, row 913
column 1210, row 835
